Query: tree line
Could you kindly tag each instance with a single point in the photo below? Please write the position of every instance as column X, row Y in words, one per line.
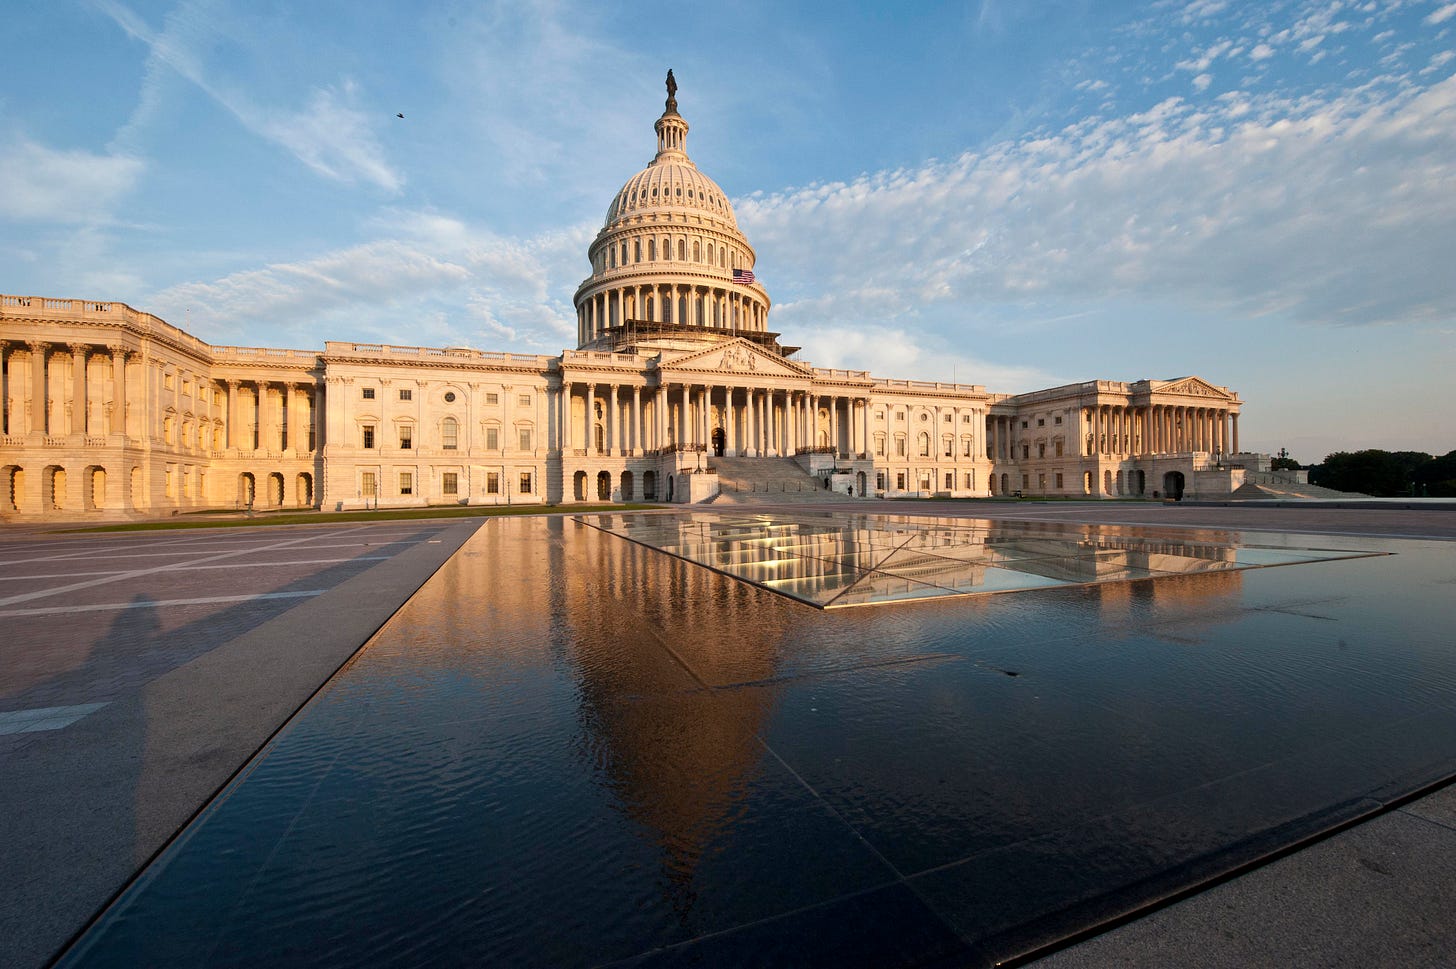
column 1383, row 474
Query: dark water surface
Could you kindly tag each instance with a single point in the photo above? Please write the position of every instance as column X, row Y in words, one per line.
column 570, row 749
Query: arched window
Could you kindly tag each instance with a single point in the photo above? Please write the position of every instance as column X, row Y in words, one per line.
column 666, row 248
column 613, row 260
column 652, row 249
column 624, row 253
column 682, row 250
column 711, row 260
column 697, row 251
column 637, row 250
column 449, row 434
column 647, row 304
column 682, row 309
column 924, row 444
column 723, row 257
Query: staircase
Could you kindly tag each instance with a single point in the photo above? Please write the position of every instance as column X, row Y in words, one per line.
column 1271, row 484
column 743, row 481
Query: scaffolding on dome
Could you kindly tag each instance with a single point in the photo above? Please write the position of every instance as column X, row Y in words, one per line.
column 628, row 334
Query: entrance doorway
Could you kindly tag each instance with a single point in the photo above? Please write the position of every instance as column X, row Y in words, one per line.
column 720, row 440
column 1173, row 485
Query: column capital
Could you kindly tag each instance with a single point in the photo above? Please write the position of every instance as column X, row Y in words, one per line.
column 119, row 350
column 76, row 348
column 37, row 346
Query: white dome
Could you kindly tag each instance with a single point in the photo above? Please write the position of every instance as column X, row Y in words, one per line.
column 670, row 184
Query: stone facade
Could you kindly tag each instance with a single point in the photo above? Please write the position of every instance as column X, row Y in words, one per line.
column 112, row 412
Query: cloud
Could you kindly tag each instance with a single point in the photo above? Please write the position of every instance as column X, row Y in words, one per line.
column 41, row 184
column 1202, row 81
column 1335, row 210
column 434, row 281
column 330, row 134
column 1442, row 14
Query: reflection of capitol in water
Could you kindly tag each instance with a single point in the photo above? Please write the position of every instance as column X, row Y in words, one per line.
column 832, row 561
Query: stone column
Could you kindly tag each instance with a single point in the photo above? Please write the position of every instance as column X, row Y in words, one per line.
column 296, row 442
column 234, row 438
column 39, row 401
column 118, row 393
column 637, row 435
column 613, row 444
column 78, row 389
column 1236, row 434
column 563, row 422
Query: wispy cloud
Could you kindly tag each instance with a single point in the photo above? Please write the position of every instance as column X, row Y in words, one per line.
column 329, row 133
column 42, row 184
column 1335, row 211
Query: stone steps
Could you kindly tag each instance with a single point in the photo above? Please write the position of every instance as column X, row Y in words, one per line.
column 768, row 480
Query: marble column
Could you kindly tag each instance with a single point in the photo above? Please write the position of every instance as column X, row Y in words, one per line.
column 39, row 400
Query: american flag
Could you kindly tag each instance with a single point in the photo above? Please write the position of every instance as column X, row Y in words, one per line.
column 743, row 276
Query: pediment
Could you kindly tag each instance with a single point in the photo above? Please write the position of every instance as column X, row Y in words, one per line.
column 737, row 357
column 1191, row 387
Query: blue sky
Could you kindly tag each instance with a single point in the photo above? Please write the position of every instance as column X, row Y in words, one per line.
column 1018, row 194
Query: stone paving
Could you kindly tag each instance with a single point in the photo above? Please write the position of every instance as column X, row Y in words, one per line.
column 139, row 672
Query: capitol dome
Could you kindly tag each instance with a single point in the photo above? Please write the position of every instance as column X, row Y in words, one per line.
column 670, row 266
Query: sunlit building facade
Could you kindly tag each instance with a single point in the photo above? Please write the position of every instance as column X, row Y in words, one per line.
column 677, row 391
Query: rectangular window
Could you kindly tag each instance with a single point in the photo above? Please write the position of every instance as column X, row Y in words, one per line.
column 879, row 481
column 1026, row 482
column 368, row 393
column 949, row 418
column 492, row 483
column 900, row 481
column 368, row 485
column 167, row 381
column 492, row 438
column 949, row 448
column 492, row 399
column 525, row 436
column 406, row 395
column 1041, row 482
column 406, row 483
column 900, row 447
column 524, row 400
column 1026, row 450
column 406, row 438
column 1059, row 448
column 970, row 480
column 1041, row 450
column 450, row 483
column 368, row 435
column 1059, row 481
column 1041, row 422
column 1058, row 420
column 966, row 419
column 966, row 447
column 525, row 482
column 949, row 480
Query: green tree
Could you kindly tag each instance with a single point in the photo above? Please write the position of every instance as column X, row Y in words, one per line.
column 1383, row 474
column 1437, row 477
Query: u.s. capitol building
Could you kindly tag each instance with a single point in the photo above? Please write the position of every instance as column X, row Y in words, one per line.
column 677, row 391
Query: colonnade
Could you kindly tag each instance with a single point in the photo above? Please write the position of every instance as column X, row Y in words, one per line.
column 1160, row 429
column 50, row 396
column 755, row 421
column 684, row 304
column 287, row 421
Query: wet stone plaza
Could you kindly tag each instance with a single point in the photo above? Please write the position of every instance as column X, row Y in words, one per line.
column 663, row 740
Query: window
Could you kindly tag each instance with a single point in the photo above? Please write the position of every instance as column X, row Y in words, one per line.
column 368, row 485
column 492, row 438
column 450, row 434
column 449, row 396
column 406, row 483
column 525, row 482
column 1059, row 481
column 637, row 251
column 949, row 418
column 524, row 400
column 949, row 480
column 368, row 393
column 965, row 418
column 899, row 445
column 651, row 249
column 949, row 448
column 1026, row 450
column 1026, row 482
column 492, row 482
column 879, row 481
column 492, row 399
column 1059, row 448
column 970, row 480
column 524, row 434
column 406, row 394
column 1041, row 450
column 880, row 444
column 924, row 444
column 1023, row 425
column 682, row 250
column 450, row 483
column 167, row 381
column 1041, row 422
column 368, row 435
column 1058, row 420
column 900, row 481
column 406, row 438
column 965, row 447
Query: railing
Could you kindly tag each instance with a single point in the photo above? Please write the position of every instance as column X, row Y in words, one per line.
column 89, row 311
column 418, row 353
column 933, row 385
column 678, row 449
column 818, row 449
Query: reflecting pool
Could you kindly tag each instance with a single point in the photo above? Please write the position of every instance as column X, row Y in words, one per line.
column 574, row 749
